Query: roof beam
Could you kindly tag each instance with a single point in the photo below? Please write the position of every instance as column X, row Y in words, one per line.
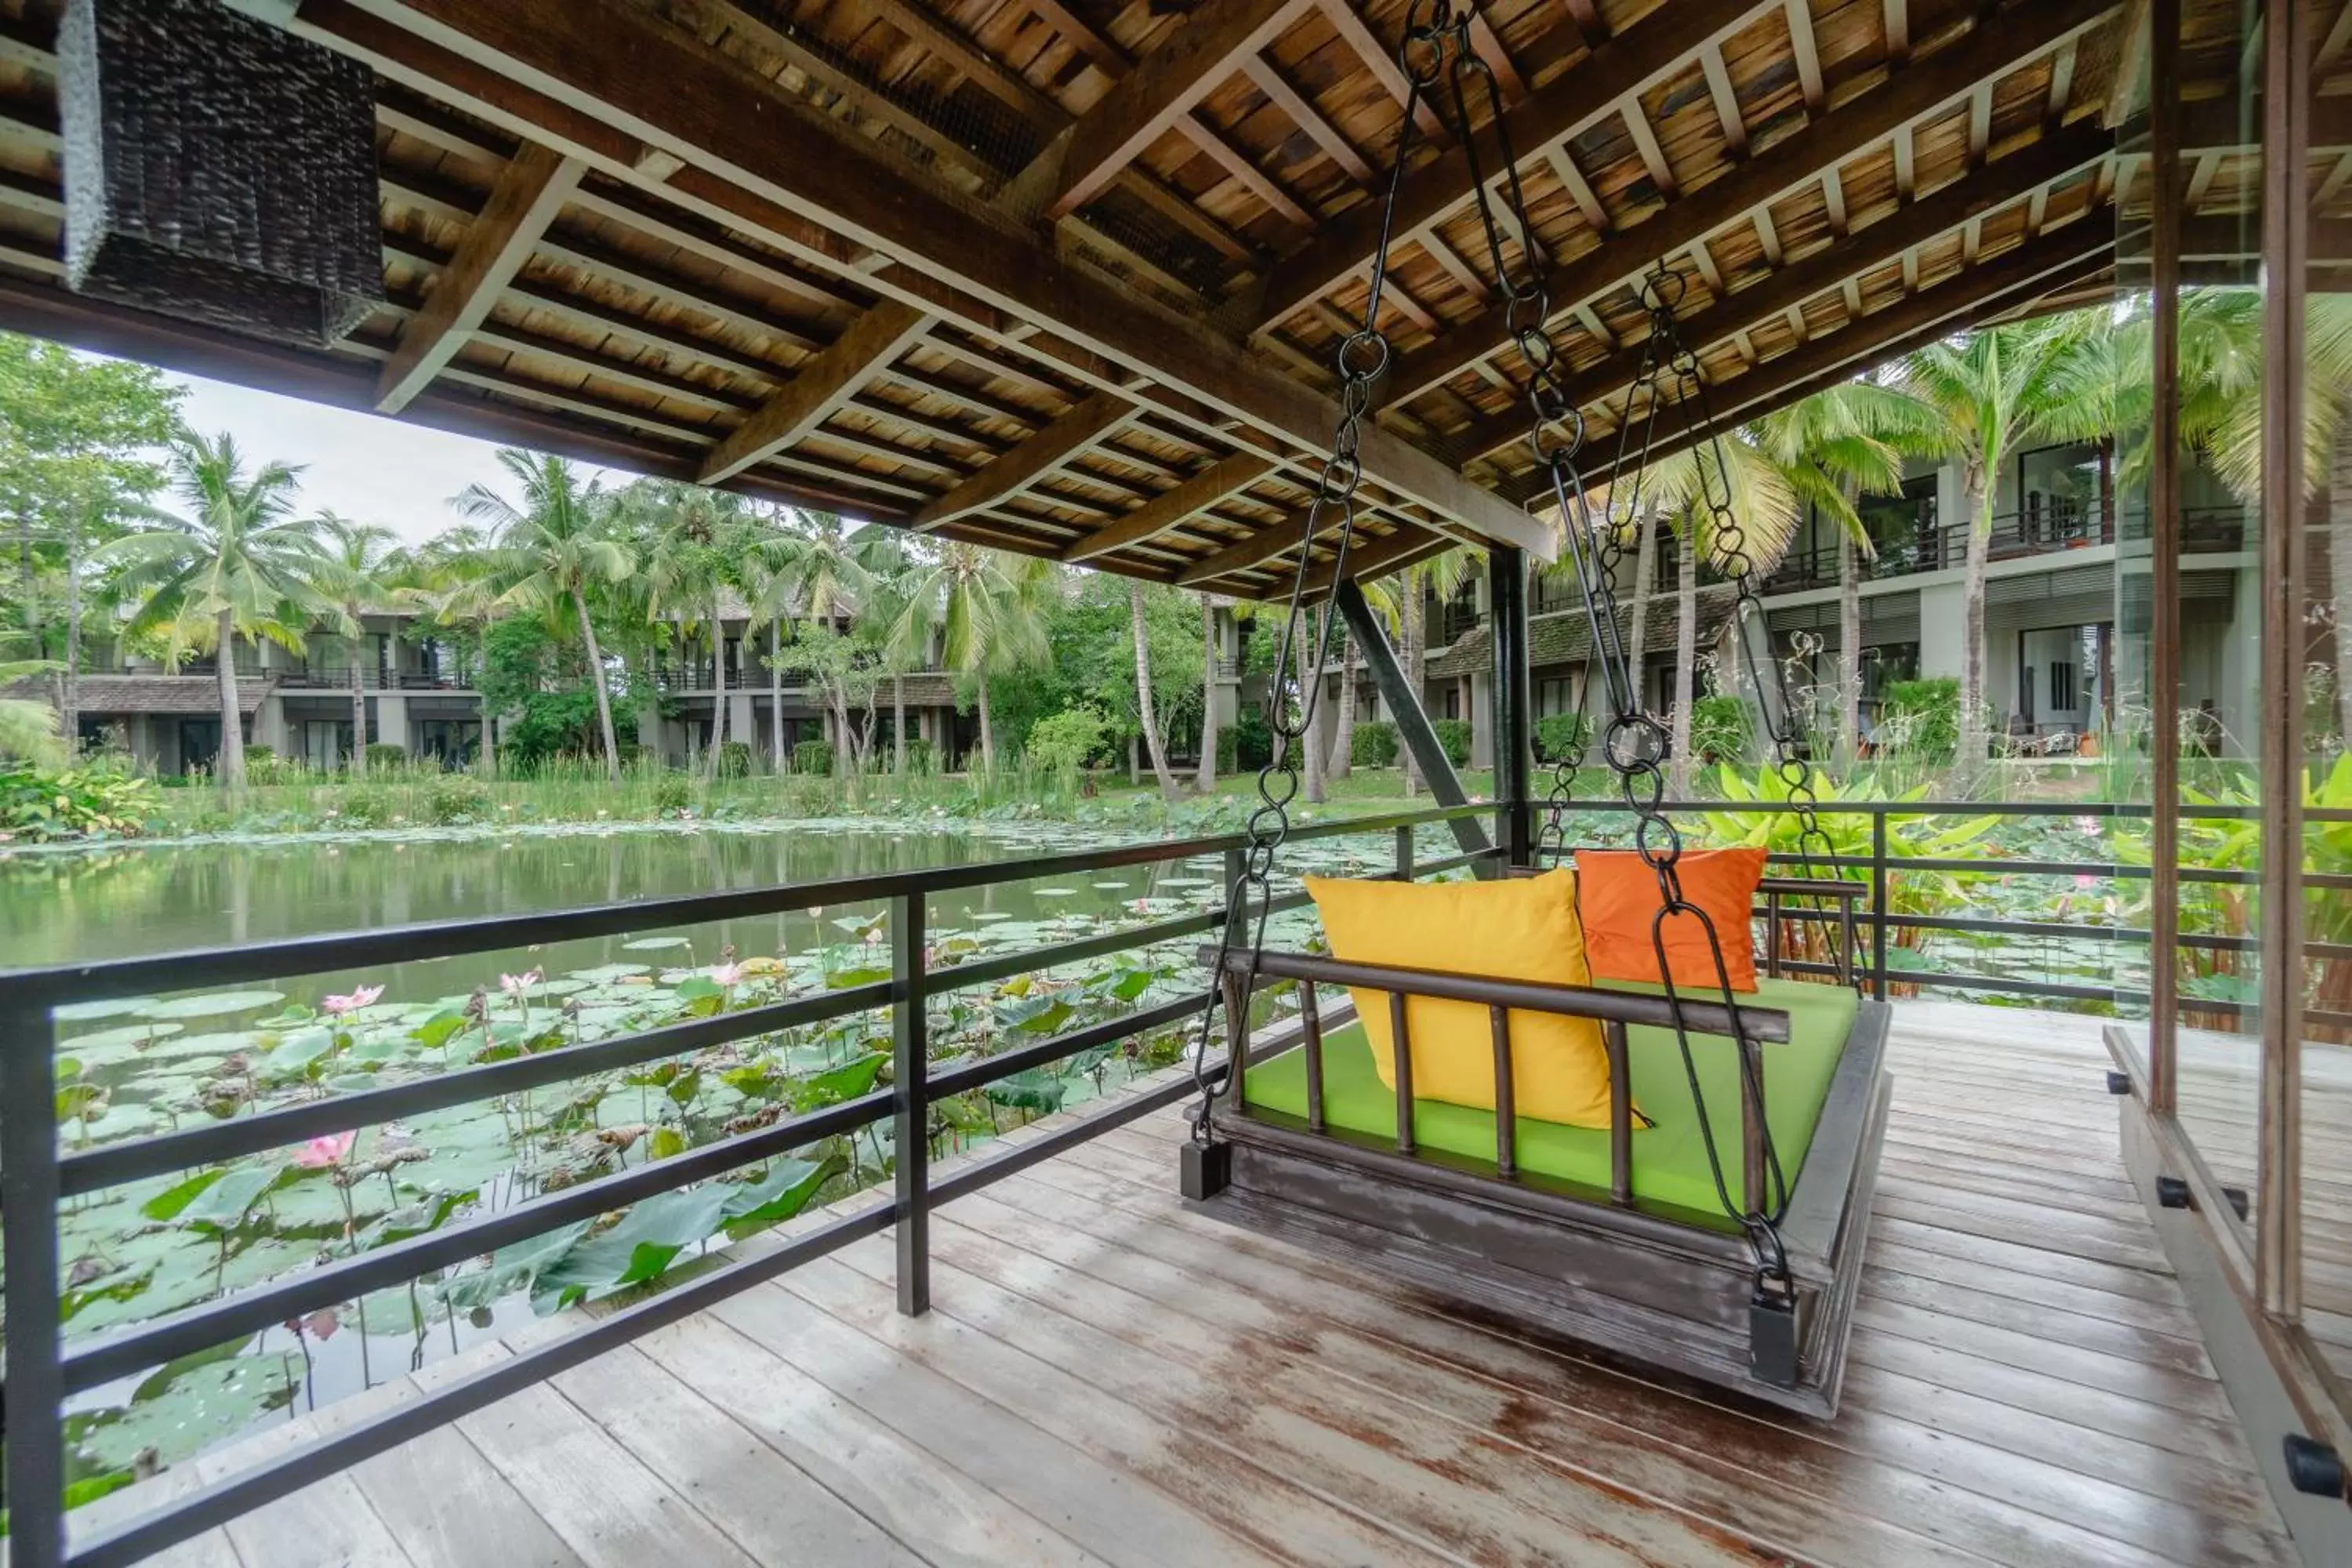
column 1161, row 91
column 1169, row 508
column 531, row 190
column 1264, row 545
column 1910, row 95
column 1088, row 420
column 823, row 384
column 605, row 81
column 2031, row 168
column 1580, row 98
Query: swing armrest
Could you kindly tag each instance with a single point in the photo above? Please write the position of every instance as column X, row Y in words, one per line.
column 1825, row 886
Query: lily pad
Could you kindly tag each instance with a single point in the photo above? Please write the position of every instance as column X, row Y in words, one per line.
column 180, row 1413
column 131, row 1035
column 115, row 1007
column 213, row 1004
column 649, row 944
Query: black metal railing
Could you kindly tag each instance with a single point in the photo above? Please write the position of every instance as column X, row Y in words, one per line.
column 44, row 1370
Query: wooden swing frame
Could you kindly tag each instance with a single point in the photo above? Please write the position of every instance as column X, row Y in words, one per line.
column 1665, row 1285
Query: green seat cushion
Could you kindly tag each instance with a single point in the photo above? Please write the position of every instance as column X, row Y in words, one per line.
column 1670, row 1163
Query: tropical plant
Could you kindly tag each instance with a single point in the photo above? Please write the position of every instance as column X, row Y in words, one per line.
column 362, row 569
column 1982, row 397
column 1066, row 741
column 239, row 564
column 553, row 546
column 28, row 726
column 990, row 609
column 699, row 539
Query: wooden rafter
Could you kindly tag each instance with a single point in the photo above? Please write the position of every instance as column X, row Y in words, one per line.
column 1306, row 117
column 529, row 192
column 1898, row 234
column 1161, row 91
column 1088, row 420
column 1170, row 508
column 1576, row 99
column 1803, row 155
column 822, row 387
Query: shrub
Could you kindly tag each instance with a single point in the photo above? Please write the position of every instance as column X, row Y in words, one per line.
column 1720, row 728
column 1454, row 736
column 1559, row 737
column 812, row 757
column 457, row 798
column 920, row 758
column 264, row 765
column 1067, row 741
column 1373, row 744
column 72, row 804
column 1922, row 717
column 673, row 792
column 1252, row 742
column 386, row 755
column 735, row 760
column 366, row 807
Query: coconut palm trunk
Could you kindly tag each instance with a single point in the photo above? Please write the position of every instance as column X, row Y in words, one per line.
column 1849, row 659
column 596, row 685
column 69, row 686
column 1977, row 504
column 1409, row 629
column 1686, row 651
column 2339, row 570
column 231, row 761
column 898, row 725
column 987, row 733
column 718, row 690
column 1204, row 775
column 359, row 716
column 1343, row 730
column 1645, row 572
column 1309, row 678
column 1145, row 708
column 775, row 696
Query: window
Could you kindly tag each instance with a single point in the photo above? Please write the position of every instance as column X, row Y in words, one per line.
column 1555, row 695
column 2062, row 685
column 2058, row 492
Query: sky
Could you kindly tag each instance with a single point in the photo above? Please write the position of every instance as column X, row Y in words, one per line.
column 367, row 468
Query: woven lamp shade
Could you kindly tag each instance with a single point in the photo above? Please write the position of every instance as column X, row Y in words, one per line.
column 218, row 169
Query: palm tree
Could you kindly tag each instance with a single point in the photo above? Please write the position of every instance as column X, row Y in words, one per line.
column 826, row 571
column 1442, row 575
column 1835, row 448
column 239, row 564
column 28, row 727
column 692, row 564
column 1983, row 396
column 447, row 573
column 363, row 570
column 990, row 609
column 1144, row 709
column 554, row 547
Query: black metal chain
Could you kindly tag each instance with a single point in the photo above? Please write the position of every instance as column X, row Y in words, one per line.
column 1361, row 359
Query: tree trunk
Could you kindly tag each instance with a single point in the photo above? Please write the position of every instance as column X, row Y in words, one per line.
column 231, row 761
column 987, row 733
column 1144, row 705
column 1685, row 652
column 2339, row 572
column 1645, row 572
column 596, row 685
column 1408, row 626
column 775, row 696
column 359, row 717
column 898, row 724
column 718, row 690
column 1309, row 680
column 1343, row 732
column 1205, row 776
column 489, row 747
column 1977, row 502
column 70, row 688
column 1849, row 664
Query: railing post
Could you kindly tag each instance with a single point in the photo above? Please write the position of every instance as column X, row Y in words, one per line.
column 1404, row 854
column 1878, row 904
column 28, row 1213
column 910, row 1105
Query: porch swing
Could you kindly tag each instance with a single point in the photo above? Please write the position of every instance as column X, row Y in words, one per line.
column 1673, row 1212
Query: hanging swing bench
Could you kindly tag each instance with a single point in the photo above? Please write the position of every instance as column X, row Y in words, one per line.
column 1675, row 1165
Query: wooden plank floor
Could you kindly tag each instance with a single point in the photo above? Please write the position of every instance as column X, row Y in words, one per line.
column 1110, row 1379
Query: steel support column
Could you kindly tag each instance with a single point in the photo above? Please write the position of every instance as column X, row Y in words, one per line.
column 2164, row 558
column 1513, row 745
column 1414, row 732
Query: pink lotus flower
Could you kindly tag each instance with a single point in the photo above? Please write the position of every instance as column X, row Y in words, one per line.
column 726, row 973
column 515, row 984
column 361, row 997
column 2086, row 880
column 323, row 1153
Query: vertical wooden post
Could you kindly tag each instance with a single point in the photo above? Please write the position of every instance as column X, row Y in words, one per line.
column 2287, row 110
column 28, row 1215
column 1621, row 1112
column 1310, row 1019
column 1404, row 854
column 1507, row 1112
column 910, row 1104
column 2164, row 558
column 1402, row 1052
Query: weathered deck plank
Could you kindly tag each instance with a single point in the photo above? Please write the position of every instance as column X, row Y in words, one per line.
column 1108, row 1378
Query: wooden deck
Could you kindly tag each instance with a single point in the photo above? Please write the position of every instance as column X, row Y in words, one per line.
column 1106, row 1378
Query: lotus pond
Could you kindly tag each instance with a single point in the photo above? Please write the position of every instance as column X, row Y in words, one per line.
column 139, row 1066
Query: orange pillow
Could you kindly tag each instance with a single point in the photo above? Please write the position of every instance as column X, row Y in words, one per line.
column 1617, row 899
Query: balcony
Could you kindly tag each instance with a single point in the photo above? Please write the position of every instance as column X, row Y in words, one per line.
column 322, row 677
column 2015, row 536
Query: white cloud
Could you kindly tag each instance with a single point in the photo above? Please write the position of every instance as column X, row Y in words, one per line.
column 365, row 467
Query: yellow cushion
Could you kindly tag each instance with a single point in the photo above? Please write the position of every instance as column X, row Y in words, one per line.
column 1523, row 928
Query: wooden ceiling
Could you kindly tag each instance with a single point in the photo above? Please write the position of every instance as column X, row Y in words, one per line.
column 1066, row 277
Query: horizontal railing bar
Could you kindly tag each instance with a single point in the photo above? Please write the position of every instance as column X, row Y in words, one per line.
column 92, row 1170
column 1456, row 862
column 1005, row 1064
column 1759, row 1023
column 1961, row 808
column 272, row 1478
column 2023, row 988
column 1028, row 960
column 110, row 978
column 97, row 1361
